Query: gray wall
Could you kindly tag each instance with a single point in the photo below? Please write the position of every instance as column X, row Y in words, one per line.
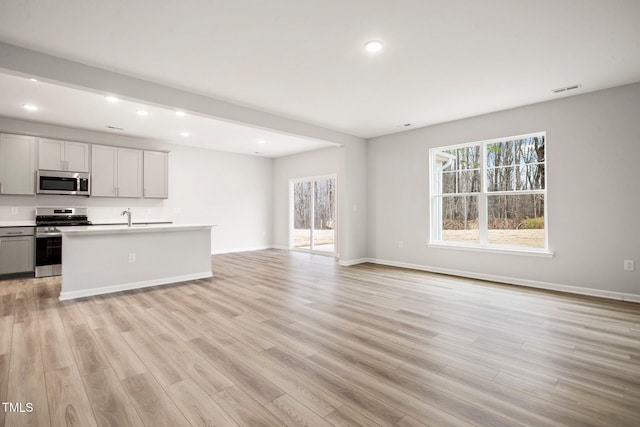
column 593, row 151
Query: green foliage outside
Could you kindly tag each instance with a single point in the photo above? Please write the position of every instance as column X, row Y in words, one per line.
column 533, row 223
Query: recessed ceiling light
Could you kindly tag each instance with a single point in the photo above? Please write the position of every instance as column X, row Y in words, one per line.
column 185, row 134
column 142, row 113
column 30, row 107
column 262, row 141
column 180, row 113
column 111, row 99
column 33, row 80
column 373, row 46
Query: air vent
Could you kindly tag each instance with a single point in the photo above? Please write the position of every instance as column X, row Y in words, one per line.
column 566, row 88
column 113, row 127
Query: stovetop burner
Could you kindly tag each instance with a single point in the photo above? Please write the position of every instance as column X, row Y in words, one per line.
column 52, row 217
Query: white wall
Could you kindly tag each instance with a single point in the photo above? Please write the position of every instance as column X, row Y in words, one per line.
column 232, row 191
column 352, row 204
column 313, row 163
column 593, row 151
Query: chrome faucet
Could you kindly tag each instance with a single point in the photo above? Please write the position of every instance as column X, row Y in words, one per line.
column 128, row 214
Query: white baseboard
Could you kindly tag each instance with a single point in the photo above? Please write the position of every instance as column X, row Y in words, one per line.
column 247, row 249
column 134, row 285
column 511, row 280
column 348, row 262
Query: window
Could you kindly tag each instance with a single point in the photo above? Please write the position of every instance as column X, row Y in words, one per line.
column 490, row 194
column 313, row 215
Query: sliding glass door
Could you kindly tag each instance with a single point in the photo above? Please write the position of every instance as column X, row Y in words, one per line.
column 313, row 225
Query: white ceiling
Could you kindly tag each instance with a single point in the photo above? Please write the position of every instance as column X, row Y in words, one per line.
column 82, row 109
column 442, row 59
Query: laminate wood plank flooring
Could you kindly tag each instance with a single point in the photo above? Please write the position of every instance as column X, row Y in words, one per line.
column 279, row 338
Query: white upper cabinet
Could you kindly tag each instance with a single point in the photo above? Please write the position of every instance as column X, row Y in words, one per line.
column 156, row 174
column 116, row 172
column 63, row 155
column 129, row 172
column 103, row 171
column 77, row 156
column 17, row 164
column 50, row 154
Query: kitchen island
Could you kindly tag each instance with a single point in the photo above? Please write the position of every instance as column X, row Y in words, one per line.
column 106, row 258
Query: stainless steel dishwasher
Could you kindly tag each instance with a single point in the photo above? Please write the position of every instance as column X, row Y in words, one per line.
column 17, row 251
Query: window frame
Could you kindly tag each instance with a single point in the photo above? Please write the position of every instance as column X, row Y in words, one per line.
column 312, row 180
column 483, row 244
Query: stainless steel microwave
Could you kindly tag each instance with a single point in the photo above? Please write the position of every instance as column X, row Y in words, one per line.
column 59, row 182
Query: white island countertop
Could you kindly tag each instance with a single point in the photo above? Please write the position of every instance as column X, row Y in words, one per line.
column 123, row 221
column 100, row 259
column 124, row 228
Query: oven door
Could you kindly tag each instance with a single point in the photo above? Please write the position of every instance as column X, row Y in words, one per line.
column 48, row 255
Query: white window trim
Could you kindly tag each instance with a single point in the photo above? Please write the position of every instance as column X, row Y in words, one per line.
column 483, row 246
column 496, row 249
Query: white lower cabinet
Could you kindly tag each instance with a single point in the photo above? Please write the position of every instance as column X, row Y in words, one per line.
column 16, row 250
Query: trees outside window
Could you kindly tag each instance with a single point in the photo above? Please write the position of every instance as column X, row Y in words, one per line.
column 314, row 214
column 490, row 193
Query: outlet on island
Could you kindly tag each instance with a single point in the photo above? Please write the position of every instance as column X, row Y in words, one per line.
column 132, row 258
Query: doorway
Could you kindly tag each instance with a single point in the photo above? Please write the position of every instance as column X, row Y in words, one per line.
column 313, row 215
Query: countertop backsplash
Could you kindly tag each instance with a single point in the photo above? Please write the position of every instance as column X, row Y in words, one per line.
column 18, row 216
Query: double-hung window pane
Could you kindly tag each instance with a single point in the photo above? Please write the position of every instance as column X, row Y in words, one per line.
column 516, row 220
column 456, row 185
column 516, row 165
column 490, row 193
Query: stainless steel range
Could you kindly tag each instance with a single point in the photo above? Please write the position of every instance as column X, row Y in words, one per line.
column 49, row 238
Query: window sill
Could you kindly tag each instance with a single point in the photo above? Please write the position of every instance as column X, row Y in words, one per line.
column 542, row 253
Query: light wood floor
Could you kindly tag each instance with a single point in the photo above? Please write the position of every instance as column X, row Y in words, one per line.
column 279, row 338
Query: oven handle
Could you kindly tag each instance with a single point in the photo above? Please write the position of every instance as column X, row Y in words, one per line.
column 48, row 234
